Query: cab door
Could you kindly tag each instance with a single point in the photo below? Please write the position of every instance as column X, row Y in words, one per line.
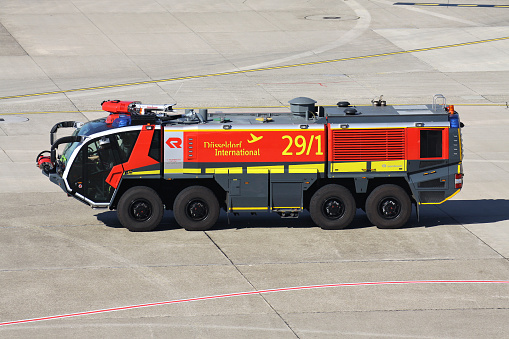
column 90, row 168
column 94, row 162
column 101, row 156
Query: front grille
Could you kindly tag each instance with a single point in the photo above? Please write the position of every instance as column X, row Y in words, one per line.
column 368, row 144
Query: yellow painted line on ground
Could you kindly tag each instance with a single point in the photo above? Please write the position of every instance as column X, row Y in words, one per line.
column 255, row 69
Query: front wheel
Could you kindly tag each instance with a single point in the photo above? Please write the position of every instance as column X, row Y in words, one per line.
column 388, row 206
column 140, row 209
column 196, row 208
column 332, row 207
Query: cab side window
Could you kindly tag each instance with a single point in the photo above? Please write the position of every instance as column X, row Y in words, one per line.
column 125, row 142
column 98, row 164
column 155, row 147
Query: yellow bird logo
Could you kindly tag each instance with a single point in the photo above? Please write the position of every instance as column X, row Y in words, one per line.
column 255, row 138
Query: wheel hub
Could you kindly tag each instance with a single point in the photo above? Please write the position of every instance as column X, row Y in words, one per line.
column 197, row 210
column 141, row 210
column 333, row 208
column 390, row 208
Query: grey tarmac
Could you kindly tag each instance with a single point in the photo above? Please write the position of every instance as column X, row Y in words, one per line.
column 58, row 256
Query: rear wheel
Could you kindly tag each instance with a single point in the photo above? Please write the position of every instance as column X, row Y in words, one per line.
column 388, row 206
column 196, row 208
column 140, row 209
column 332, row 207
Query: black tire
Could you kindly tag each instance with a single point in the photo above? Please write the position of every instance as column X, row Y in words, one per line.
column 332, row 207
column 140, row 209
column 196, row 208
column 388, row 206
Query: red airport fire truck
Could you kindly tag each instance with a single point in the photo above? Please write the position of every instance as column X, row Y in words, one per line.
column 329, row 160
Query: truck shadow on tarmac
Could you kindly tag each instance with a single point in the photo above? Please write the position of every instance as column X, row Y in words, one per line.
column 454, row 212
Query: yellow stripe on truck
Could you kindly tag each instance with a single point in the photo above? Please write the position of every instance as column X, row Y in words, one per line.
column 306, row 168
column 358, row 166
column 388, row 166
column 182, row 170
column 266, row 169
column 248, row 208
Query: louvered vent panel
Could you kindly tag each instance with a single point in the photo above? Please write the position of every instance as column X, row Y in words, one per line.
column 368, row 144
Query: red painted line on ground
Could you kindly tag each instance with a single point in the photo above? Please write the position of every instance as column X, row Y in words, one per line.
column 229, row 295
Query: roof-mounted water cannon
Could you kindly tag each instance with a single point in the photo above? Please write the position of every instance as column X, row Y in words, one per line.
column 139, row 108
column 125, row 113
column 134, row 107
column 119, row 107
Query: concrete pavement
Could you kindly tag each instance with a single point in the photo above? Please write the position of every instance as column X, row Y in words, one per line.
column 58, row 256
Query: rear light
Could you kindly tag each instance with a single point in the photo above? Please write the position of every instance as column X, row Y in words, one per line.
column 458, row 180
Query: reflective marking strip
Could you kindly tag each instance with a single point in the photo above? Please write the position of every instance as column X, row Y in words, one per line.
column 388, row 166
column 248, row 208
column 235, row 170
column 145, row 172
column 358, row 166
column 438, row 203
column 182, row 170
column 224, row 170
column 306, row 168
column 287, row 207
column 266, row 169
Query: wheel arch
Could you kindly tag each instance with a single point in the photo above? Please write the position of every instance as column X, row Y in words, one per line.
column 360, row 198
column 168, row 189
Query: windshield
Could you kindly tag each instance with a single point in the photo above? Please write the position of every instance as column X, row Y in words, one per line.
column 87, row 129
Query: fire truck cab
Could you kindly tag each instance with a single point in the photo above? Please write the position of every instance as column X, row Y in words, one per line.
column 329, row 160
